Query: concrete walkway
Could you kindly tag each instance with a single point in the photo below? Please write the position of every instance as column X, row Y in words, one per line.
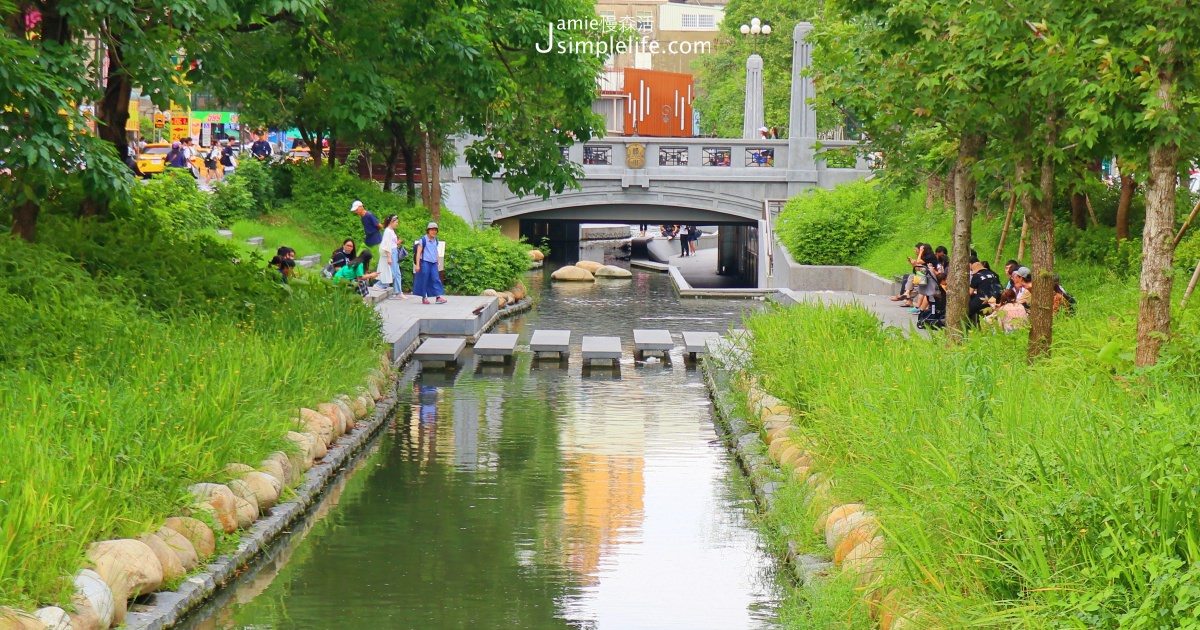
column 404, row 321
column 885, row 309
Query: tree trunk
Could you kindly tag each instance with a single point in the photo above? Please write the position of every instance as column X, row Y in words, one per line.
column 1128, row 187
column 1154, row 309
column 112, row 112
column 933, row 190
column 25, row 217
column 1012, row 205
column 424, row 157
column 948, row 189
column 1041, row 245
column 958, row 279
column 333, row 148
column 1078, row 210
column 410, row 172
column 435, row 179
column 393, row 155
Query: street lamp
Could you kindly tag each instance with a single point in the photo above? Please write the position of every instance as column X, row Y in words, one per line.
column 752, row 121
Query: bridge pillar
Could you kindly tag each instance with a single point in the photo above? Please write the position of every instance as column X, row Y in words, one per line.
column 802, row 134
column 753, row 117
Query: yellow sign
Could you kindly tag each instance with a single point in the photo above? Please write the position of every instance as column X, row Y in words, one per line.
column 179, row 125
column 131, row 124
column 160, row 120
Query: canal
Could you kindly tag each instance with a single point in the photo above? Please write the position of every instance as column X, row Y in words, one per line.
column 538, row 496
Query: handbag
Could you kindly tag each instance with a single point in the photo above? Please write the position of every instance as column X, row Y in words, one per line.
column 327, row 271
column 401, row 252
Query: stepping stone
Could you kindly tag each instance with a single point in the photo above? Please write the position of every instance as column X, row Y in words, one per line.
column 313, row 258
column 225, row 233
column 655, row 340
column 550, row 341
column 601, row 349
column 305, row 263
column 256, row 241
column 696, row 343
column 441, row 349
column 496, row 345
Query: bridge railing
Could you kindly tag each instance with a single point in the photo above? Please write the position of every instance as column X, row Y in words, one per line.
column 716, row 156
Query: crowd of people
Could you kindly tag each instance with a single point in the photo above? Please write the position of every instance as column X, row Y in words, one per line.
column 1003, row 304
column 352, row 265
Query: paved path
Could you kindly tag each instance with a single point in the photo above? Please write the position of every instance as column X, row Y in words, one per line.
column 462, row 316
column 888, row 312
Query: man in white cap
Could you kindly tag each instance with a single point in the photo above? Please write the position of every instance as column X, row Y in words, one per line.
column 427, row 282
column 372, row 230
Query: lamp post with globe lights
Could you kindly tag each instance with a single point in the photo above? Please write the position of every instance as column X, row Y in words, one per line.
column 752, row 121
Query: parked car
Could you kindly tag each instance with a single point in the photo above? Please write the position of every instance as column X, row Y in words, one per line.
column 299, row 154
column 153, row 158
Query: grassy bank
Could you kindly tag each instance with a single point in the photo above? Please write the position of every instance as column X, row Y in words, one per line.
column 1062, row 494
column 136, row 359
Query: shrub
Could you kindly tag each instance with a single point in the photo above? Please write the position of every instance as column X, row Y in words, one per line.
column 173, row 203
column 834, row 227
column 231, row 200
column 259, row 182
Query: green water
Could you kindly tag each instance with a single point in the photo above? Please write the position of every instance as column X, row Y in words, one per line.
column 536, row 496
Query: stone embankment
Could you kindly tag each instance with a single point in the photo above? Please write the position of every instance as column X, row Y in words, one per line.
column 764, row 435
column 248, row 501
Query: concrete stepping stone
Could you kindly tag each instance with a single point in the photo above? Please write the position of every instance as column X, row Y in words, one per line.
column 696, row 343
column 558, row 341
column 225, row 233
column 651, row 340
column 315, row 259
column 601, row 349
column 440, row 349
column 496, row 345
column 255, row 241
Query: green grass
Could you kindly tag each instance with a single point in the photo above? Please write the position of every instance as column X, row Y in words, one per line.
column 278, row 230
column 1063, row 494
column 132, row 365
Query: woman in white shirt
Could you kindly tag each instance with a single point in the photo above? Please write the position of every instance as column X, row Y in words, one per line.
column 389, row 258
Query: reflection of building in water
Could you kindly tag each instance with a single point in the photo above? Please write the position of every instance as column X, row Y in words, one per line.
column 602, row 504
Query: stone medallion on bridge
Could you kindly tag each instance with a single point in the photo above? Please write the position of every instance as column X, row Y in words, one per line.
column 635, row 155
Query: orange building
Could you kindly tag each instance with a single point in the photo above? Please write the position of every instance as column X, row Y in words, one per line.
column 657, row 103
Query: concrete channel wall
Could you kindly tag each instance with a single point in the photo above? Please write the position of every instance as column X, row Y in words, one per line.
column 788, row 274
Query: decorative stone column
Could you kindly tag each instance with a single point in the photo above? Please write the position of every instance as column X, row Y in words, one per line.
column 802, row 131
column 753, row 118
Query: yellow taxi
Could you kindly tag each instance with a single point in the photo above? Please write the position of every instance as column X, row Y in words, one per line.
column 300, row 154
column 153, row 158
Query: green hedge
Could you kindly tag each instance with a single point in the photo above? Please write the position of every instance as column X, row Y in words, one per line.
column 835, row 227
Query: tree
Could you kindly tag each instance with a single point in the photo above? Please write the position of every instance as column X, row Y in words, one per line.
column 721, row 75
column 43, row 81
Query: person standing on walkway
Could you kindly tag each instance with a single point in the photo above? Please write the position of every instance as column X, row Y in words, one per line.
column 693, row 236
column 427, row 282
column 390, row 253
column 372, row 228
column 228, row 161
column 684, row 238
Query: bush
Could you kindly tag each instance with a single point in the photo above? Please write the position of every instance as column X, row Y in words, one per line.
column 231, row 200
column 834, row 227
column 259, row 181
column 173, row 203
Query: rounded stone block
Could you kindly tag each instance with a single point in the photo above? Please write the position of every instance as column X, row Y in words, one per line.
column 247, row 513
column 278, row 465
column 859, row 534
column 221, row 500
column 612, row 271
column 864, row 560
column 519, row 291
column 243, row 491
column 774, row 410
column 196, row 532
column 265, row 488
column 172, row 568
column 589, row 266
column 93, row 601
column 536, row 255
column 178, row 544
column 13, row 619
column 236, row 470
column 129, row 567
column 334, row 413
column 318, row 424
column 305, row 447
column 53, row 618
column 837, row 513
column 837, row 530
column 572, row 273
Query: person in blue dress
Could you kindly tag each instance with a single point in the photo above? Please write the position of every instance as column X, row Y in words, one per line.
column 427, row 283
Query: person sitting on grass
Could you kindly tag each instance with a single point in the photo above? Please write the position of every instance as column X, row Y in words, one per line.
column 985, row 288
column 1009, row 268
column 1022, row 280
column 355, row 271
column 343, row 254
column 1008, row 315
column 284, row 262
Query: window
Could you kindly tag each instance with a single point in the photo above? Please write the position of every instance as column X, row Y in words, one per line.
column 672, row 156
column 760, row 157
column 693, row 20
column 717, row 156
column 597, row 156
column 608, row 18
column 565, row 156
column 645, row 21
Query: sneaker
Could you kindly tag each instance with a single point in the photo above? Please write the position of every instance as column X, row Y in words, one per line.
column 424, row 301
column 441, row 300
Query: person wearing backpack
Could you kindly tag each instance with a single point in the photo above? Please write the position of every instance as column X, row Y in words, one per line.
column 228, row 160
column 176, row 158
column 210, row 162
column 985, row 288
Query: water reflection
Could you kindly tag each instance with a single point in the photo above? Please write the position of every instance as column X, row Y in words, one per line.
column 541, row 498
